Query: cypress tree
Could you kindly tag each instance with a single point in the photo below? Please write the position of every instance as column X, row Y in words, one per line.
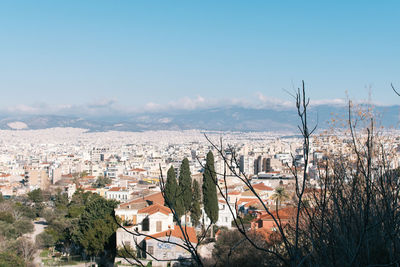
column 210, row 198
column 185, row 184
column 195, row 211
column 170, row 187
column 172, row 193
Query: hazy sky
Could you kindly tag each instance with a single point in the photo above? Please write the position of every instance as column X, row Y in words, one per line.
column 153, row 53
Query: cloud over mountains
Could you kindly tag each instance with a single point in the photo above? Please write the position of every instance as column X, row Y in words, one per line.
column 261, row 114
column 111, row 107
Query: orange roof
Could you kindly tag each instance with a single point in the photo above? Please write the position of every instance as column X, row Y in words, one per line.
column 115, row 189
column 234, row 193
column 155, row 198
column 263, row 187
column 284, row 214
column 245, row 200
column 4, row 175
column 155, row 208
column 177, row 232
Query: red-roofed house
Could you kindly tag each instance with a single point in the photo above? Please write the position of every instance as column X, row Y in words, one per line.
column 149, row 199
column 147, row 216
column 266, row 221
column 144, row 219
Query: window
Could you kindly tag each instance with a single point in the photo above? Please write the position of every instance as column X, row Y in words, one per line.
column 158, row 226
column 146, row 224
column 150, row 250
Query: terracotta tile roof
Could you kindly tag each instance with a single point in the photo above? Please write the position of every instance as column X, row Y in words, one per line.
column 177, row 232
column 115, row 189
column 285, row 213
column 263, row 187
column 245, row 200
column 154, row 198
column 154, row 209
column 138, row 170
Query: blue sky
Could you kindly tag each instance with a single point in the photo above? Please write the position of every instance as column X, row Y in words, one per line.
column 138, row 54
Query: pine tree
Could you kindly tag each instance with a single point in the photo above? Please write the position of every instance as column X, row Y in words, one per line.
column 195, row 211
column 172, row 193
column 185, row 184
column 210, row 198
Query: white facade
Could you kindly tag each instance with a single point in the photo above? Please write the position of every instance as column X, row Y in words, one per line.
column 225, row 217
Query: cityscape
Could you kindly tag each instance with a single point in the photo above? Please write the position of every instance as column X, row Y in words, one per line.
column 184, row 133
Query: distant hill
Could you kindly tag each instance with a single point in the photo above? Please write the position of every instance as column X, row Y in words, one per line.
column 223, row 119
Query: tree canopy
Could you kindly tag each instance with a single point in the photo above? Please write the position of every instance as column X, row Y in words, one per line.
column 172, row 193
column 185, row 184
column 195, row 211
column 36, row 196
column 96, row 225
column 210, row 198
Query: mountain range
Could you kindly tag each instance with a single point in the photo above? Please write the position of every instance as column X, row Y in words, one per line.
column 229, row 118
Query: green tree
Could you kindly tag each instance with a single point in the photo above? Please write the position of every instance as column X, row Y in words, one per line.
column 61, row 201
column 6, row 217
column 101, row 181
column 45, row 240
column 26, row 211
column 9, row 258
column 36, row 195
column 185, row 184
column 195, row 211
column 23, row 226
column 96, row 227
column 210, row 198
column 172, row 193
column 171, row 186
